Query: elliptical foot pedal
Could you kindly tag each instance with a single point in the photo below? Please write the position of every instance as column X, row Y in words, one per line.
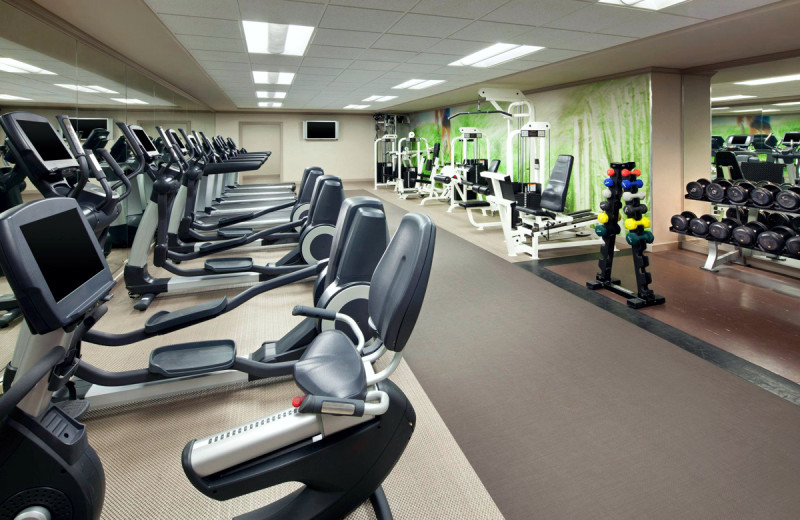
column 75, row 408
column 234, row 232
column 189, row 359
column 228, row 265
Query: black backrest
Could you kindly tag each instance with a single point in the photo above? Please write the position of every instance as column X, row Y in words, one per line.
column 326, row 200
column 717, row 142
column 400, row 280
column 763, row 171
column 554, row 196
column 308, row 183
column 494, row 165
column 507, row 189
column 728, row 159
column 359, row 241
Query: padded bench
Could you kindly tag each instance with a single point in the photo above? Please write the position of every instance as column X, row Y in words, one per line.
column 474, row 204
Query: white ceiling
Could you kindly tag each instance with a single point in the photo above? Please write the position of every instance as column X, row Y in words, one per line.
column 41, row 88
column 364, row 47
column 765, row 96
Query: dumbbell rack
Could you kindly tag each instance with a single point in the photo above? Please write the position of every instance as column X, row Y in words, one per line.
column 717, row 257
column 639, row 238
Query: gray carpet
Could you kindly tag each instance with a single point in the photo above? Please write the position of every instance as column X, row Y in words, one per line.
column 566, row 411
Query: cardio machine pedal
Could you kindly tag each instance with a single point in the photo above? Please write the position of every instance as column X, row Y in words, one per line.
column 228, row 265
column 188, row 359
column 234, row 232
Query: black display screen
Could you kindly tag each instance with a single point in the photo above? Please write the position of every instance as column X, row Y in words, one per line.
column 791, row 137
column 63, row 251
column 144, row 140
column 45, row 140
column 739, row 139
column 85, row 126
column 178, row 140
column 321, row 130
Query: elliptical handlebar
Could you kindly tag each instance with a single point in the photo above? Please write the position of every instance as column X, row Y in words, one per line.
column 132, row 140
column 79, row 153
column 123, row 179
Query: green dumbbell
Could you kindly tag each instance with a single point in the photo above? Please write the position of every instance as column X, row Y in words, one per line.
column 601, row 230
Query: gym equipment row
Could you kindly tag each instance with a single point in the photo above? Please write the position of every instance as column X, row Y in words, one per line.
column 623, row 185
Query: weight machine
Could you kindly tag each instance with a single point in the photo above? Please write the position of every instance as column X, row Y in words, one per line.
column 412, row 162
column 385, row 159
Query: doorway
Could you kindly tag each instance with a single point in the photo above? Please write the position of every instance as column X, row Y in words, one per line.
column 263, row 137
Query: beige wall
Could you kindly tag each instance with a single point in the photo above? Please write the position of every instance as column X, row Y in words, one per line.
column 696, row 142
column 349, row 158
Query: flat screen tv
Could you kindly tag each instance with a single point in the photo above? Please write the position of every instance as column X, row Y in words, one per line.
column 84, row 125
column 320, row 130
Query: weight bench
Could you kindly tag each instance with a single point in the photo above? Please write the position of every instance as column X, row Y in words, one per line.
column 540, row 224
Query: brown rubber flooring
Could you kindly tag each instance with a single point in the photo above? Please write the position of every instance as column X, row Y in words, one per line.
column 746, row 311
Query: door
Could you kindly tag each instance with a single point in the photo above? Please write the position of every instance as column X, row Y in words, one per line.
column 263, row 137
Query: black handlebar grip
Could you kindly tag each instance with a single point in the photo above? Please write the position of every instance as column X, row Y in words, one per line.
column 313, row 312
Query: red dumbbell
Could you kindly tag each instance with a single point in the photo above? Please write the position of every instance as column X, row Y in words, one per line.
column 637, row 172
column 626, row 172
column 610, row 172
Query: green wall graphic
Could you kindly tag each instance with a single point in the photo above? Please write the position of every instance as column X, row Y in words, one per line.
column 596, row 123
column 755, row 124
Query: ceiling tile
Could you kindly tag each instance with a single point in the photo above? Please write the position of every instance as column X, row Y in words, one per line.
column 338, row 17
column 650, row 25
column 372, row 65
column 281, row 11
column 387, row 55
column 417, row 67
column 553, row 55
column 387, row 5
column 344, row 38
column 329, row 51
column 433, row 59
column 710, row 9
column 225, row 65
column 551, row 38
column 230, row 57
column 458, row 47
column 428, row 25
column 202, row 26
column 404, row 43
column 326, row 62
column 457, row 8
column 223, row 9
column 595, row 42
column 534, row 12
column 490, row 32
column 359, row 76
column 206, row 43
column 276, row 61
column 322, row 71
column 621, row 21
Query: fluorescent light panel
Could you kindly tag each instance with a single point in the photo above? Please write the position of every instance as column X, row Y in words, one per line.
column 380, row 99
column 731, row 98
column 720, row 108
column 93, row 89
column 263, row 94
column 418, row 84
column 356, row 107
column 270, row 104
column 9, row 97
column 755, row 110
column 769, row 81
column 791, row 103
column 129, row 101
column 19, row 67
column 653, row 5
column 273, row 78
column 102, row 89
column 496, row 54
column 275, row 38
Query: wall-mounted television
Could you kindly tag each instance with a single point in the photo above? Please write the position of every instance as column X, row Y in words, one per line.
column 84, row 125
column 320, row 130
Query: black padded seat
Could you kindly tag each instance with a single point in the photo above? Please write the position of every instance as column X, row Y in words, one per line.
column 474, row 204
column 331, row 367
column 554, row 196
column 539, row 212
column 727, row 159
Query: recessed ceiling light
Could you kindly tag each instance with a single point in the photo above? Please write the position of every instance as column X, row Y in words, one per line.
column 755, row 110
column 77, row 88
column 129, row 101
column 9, row 97
column 274, row 78
column 731, row 98
column 720, row 108
column 263, row 94
column 495, row 54
column 426, row 84
column 275, row 38
column 102, row 89
column 768, row 81
column 16, row 66
column 270, row 104
column 380, row 99
column 356, row 107
column 417, row 84
column 787, row 104
column 653, row 5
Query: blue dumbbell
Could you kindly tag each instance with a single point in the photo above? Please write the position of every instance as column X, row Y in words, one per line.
column 608, row 183
column 626, row 184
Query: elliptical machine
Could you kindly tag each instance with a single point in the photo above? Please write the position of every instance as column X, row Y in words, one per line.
column 340, row 439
